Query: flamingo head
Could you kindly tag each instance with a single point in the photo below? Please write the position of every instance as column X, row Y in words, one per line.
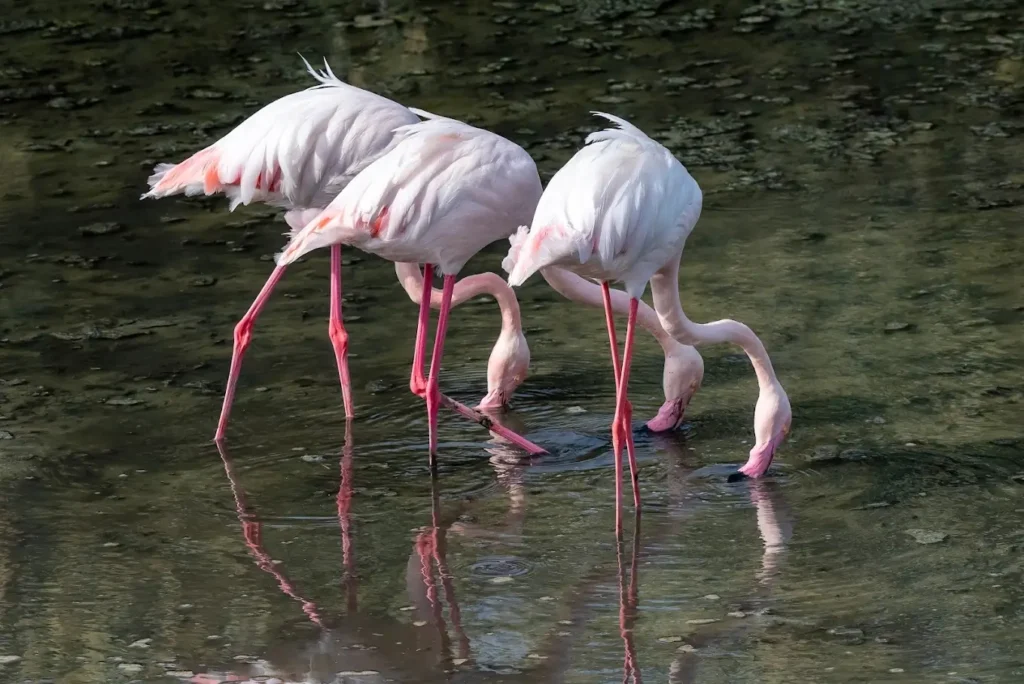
column 684, row 372
column 507, row 368
column 772, row 419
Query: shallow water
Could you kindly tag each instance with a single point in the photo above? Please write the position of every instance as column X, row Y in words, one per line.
column 860, row 162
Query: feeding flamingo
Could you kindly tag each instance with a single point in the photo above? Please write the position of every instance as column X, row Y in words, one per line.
column 297, row 152
column 510, row 359
column 443, row 191
column 621, row 210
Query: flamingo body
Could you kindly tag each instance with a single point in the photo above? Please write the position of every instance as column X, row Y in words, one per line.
column 615, row 212
column 443, row 192
column 621, row 210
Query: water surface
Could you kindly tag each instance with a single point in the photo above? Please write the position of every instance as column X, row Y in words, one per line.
column 861, row 169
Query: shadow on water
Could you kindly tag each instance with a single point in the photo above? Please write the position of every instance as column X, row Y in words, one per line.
column 861, row 169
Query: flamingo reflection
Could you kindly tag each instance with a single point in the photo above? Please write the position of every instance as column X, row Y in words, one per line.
column 629, row 603
column 252, row 532
column 430, row 551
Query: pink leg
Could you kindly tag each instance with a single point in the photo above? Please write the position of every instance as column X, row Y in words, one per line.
column 627, row 414
column 417, row 381
column 621, row 427
column 336, row 329
column 433, row 392
column 610, row 321
column 243, row 335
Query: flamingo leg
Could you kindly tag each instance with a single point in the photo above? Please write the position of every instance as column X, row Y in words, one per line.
column 627, row 417
column 621, row 424
column 433, row 391
column 336, row 330
column 417, row 381
column 626, row 413
column 243, row 336
column 610, row 322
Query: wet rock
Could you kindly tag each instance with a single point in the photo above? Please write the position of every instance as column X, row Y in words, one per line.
column 141, row 643
column 123, row 401
column 69, row 104
column 203, row 281
column 927, row 536
column 4, row 434
column 365, row 21
column 505, row 579
column 849, row 635
column 670, row 639
column 130, row 668
column 9, row 659
column 701, row 621
column 130, row 328
column 105, row 228
column 897, row 326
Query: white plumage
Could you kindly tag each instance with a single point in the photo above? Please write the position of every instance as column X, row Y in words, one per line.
column 440, row 194
column 298, row 152
column 617, row 211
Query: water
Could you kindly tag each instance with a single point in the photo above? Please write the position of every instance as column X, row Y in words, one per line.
column 860, row 163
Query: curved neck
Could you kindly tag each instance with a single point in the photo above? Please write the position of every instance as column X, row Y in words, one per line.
column 665, row 288
column 411, row 278
column 578, row 289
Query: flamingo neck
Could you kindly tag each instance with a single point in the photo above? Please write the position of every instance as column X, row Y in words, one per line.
column 576, row 288
column 665, row 288
column 491, row 284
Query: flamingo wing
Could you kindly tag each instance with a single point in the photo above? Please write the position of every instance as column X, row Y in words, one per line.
column 444, row 187
column 298, row 151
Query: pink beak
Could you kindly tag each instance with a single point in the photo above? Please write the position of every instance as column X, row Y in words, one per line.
column 494, row 400
column 761, row 456
column 670, row 416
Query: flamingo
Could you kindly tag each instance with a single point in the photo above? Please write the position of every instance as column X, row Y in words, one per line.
column 443, row 191
column 297, row 152
column 621, row 210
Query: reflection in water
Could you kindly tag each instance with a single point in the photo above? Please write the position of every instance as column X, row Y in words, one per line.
column 629, row 602
column 344, row 501
column 891, row 296
column 252, row 533
column 431, row 548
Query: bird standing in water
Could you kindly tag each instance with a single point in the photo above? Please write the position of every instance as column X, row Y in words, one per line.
column 298, row 152
column 509, row 362
column 443, row 191
column 621, row 210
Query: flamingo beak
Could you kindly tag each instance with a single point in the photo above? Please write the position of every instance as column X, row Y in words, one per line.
column 762, row 454
column 670, row 416
column 494, row 400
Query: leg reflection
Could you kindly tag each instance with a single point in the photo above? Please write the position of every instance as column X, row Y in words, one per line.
column 252, row 532
column 628, row 602
column 431, row 549
column 344, row 500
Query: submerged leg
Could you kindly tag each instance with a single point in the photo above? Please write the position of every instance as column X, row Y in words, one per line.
column 243, row 335
column 336, row 329
column 417, row 381
column 433, row 391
